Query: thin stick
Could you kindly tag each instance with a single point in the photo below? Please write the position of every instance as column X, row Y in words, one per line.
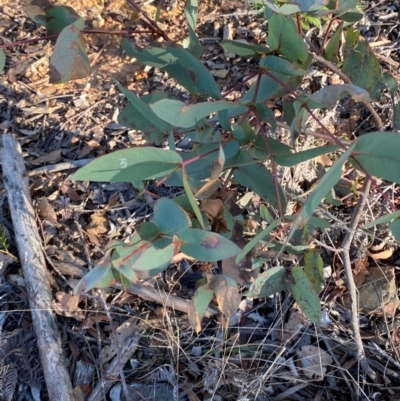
column 345, row 248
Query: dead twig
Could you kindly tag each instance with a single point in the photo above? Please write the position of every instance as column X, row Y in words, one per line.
column 34, row 266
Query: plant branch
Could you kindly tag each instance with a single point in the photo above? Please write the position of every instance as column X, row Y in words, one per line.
column 85, row 31
column 345, row 249
column 148, row 21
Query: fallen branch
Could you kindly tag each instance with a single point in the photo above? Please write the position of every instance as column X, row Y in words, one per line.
column 35, row 274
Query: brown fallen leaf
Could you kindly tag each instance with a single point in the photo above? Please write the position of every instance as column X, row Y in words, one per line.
column 98, row 224
column 46, row 211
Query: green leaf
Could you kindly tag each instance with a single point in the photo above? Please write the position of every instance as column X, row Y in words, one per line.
column 384, row 219
column 169, row 217
column 328, row 181
column 292, row 159
column 304, row 294
column 154, row 259
column 192, row 43
column 139, row 115
column 280, row 65
column 192, row 200
column 60, row 17
column 390, row 82
column 267, row 283
column 378, row 153
column 184, row 115
column 396, row 124
column 206, row 246
column 395, row 228
column 129, row 165
column 314, row 269
column 180, row 64
column 202, row 298
column 284, row 37
column 2, row 60
column 352, row 16
column 91, row 280
column 242, row 49
column 332, row 48
column 259, row 179
column 148, row 231
column 266, row 114
column 69, row 60
column 255, row 240
column 361, row 65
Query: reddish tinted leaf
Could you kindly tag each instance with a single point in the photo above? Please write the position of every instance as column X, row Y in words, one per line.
column 69, row 60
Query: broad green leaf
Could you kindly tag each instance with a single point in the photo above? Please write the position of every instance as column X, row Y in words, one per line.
column 2, row 60
column 327, row 182
column 226, row 292
column 169, row 217
column 154, row 259
column 293, row 7
column 192, row 200
column 312, row 221
column 269, row 88
column 69, row 60
column 351, row 16
column 139, row 114
column 259, row 149
column 304, row 294
column 192, row 43
column 332, row 48
column 180, row 64
column 284, row 37
column 280, row 65
column 184, row 115
column 378, row 153
column 266, row 114
column 395, row 228
column 148, row 231
column 129, row 165
column 384, row 219
column 60, row 17
column 255, row 240
column 361, row 65
column 292, row 159
column 206, row 246
column 390, row 82
column 91, row 280
column 200, row 301
column 314, row 269
column 260, row 180
column 243, row 49
column 267, row 283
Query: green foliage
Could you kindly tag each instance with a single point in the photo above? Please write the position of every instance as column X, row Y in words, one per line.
column 2, row 60
column 231, row 147
column 4, row 244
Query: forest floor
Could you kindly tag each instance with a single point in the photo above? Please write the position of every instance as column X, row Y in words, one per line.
column 260, row 356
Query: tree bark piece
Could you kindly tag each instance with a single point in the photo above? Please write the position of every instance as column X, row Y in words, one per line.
column 34, row 267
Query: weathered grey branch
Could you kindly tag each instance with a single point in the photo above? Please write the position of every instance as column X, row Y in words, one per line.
column 34, row 267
